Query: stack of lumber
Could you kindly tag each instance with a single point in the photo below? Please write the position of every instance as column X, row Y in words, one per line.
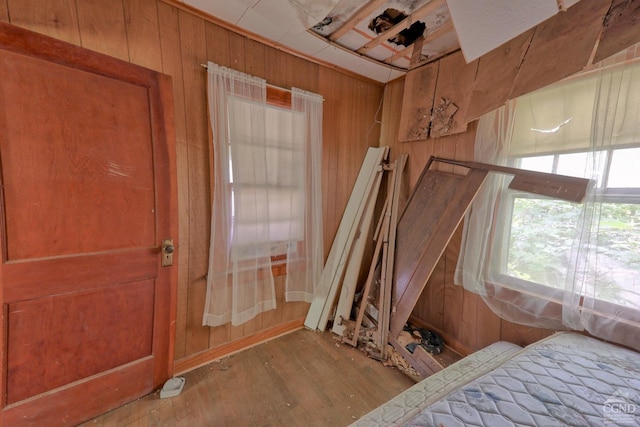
column 345, row 257
column 408, row 244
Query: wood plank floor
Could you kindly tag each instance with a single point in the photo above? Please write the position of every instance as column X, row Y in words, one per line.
column 301, row 379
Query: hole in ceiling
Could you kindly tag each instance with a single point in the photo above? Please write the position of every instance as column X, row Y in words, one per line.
column 389, row 18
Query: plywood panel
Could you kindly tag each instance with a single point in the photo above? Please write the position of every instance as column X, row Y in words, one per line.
column 193, row 49
column 4, row 12
column 254, row 58
column 432, row 215
column 62, row 225
column 561, row 46
column 102, row 27
column 419, row 153
column 497, row 71
column 143, row 33
column 455, row 82
column 487, row 326
column 217, row 40
column 620, row 29
column 55, row 18
column 390, row 118
column 329, row 160
column 60, row 339
column 273, row 60
column 172, row 65
column 417, row 102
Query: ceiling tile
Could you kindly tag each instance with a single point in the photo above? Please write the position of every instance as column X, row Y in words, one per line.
column 283, row 14
column 483, row 25
column 303, row 42
column 258, row 24
column 229, row 10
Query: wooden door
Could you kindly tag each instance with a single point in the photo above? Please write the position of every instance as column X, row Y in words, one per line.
column 88, row 195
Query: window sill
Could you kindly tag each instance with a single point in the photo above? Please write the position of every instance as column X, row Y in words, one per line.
column 622, row 322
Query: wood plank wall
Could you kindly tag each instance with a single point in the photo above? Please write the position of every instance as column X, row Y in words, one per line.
column 463, row 318
column 164, row 36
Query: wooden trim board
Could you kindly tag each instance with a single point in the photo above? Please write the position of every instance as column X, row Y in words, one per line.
column 350, row 281
column 333, row 271
column 389, row 256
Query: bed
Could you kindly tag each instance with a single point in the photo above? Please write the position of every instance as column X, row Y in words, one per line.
column 566, row 379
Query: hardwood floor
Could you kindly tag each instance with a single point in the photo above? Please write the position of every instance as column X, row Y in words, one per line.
column 300, row 379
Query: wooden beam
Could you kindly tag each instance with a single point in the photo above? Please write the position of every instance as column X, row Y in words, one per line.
column 395, row 190
column 356, row 18
column 399, row 54
column 428, row 8
column 416, row 55
column 418, row 59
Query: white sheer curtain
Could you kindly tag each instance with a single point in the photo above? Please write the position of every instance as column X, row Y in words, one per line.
column 306, row 257
column 266, row 197
column 555, row 264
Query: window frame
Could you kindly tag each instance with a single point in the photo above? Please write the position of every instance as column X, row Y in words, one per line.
column 279, row 98
column 510, row 287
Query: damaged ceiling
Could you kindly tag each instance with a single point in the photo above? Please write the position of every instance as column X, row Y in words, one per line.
column 382, row 39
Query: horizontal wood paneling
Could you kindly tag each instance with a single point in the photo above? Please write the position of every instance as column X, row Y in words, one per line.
column 167, row 37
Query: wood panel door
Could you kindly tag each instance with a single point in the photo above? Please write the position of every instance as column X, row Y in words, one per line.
column 88, row 195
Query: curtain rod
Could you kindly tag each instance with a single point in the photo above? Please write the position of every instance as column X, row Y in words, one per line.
column 268, row 84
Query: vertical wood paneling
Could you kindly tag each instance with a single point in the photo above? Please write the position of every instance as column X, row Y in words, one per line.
column 217, row 43
column 193, row 49
column 236, row 52
column 143, row 33
column 217, row 40
column 154, row 34
column 390, row 118
column 329, row 161
column 102, row 27
column 273, row 60
column 172, row 65
column 4, row 11
column 55, row 18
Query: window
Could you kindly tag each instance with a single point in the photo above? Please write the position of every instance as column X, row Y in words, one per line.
column 535, row 245
column 541, row 231
column 267, row 188
column 266, row 213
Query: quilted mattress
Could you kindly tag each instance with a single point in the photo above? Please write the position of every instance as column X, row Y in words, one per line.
column 566, row 379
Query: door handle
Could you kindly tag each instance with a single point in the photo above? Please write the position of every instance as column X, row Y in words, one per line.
column 167, row 252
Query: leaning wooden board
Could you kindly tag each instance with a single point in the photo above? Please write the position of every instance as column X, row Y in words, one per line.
column 436, row 208
column 434, row 211
column 332, row 274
